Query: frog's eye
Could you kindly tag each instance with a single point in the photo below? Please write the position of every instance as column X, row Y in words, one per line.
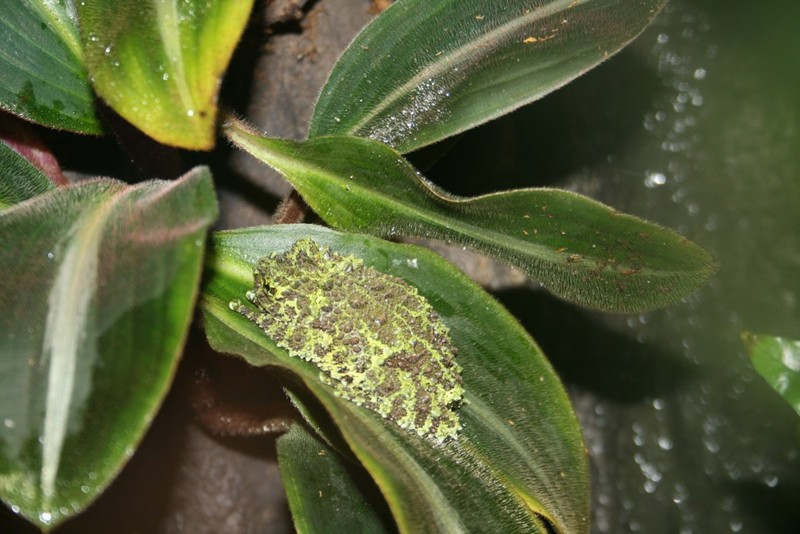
column 376, row 341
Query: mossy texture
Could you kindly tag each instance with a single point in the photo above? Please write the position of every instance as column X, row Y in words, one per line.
column 374, row 338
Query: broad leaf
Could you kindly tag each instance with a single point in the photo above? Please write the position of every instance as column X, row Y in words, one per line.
column 42, row 74
column 19, row 179
column 518, row 464
column 97, row 293
column 579, row 249
column 777, row 360
column 326, row 492
column 159, row 63
column 426, row 70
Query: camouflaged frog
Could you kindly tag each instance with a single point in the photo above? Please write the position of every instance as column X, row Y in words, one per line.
column 376, row 341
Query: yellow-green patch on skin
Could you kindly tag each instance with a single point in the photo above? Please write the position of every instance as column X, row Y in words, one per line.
column 375, row 340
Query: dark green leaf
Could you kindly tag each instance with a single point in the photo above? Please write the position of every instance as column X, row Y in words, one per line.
column 42, row 74
column 326, row 492
column 517, row 465
column 579, row 249
column 159, row 64
column 97, row 293
column 19, row 179
column 424, row 70
column 777, row 360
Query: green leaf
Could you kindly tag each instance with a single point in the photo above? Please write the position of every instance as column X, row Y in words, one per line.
column 159, row 63
column 777, row 360
column 327, row 492
column 579, row 249
column 43, row 75
column 19, row 178
column 21, row 137
column 518, row 463
column 423, row 70
column 97, row 292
